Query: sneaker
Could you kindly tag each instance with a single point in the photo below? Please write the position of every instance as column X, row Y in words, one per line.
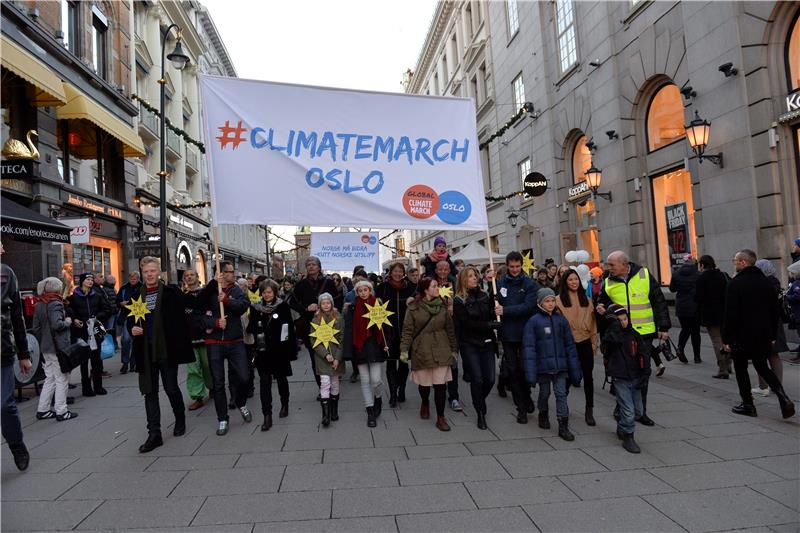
column 660, row 370
column 223, row 428
column 762, row 392
column 44, row 415
column 69, row 415
column 247, row 416
column 197, row 404
column 455, row 405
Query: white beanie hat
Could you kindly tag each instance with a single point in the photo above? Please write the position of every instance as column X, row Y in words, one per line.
column 50, row 285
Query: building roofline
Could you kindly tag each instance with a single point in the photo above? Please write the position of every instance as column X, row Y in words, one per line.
column 216, row 39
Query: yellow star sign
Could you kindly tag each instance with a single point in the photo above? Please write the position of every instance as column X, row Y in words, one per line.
column 527, row 264
column 445, row 291
column 253, row 296
column 378, row 315
column 138, row 308
column 324, row 333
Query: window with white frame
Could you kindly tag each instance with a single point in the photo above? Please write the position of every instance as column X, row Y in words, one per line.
column 513, row 17
column 518, row 92
column 565, row 29
column 524, row 170
column 486, row 170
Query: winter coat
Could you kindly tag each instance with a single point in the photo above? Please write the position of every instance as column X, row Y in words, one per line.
column 473, row 317
column 236, row 304
column 428, row 266
column 279, row 347
column 307, row 292
column 780, row 344
column 582, row 320
column 125, row 294
column 397, row 300
column 323, row 367
column 626, row 353
column 683, row 284
column 85, row 306
column 49, row 326
column 751, row 314
column 710, row 296
column 430, row 339
column 793, row 297
column 656, row 297
column 548, row 348
column 517, row 295
column 197, row 329
column 14, row 338
column 111, row 296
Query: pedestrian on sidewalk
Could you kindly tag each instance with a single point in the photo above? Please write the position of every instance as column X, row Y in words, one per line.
column 793, row 298
column 396, row 292
column 748, row 331
column 329, row 361
column 429, row 338
column 684, row 285
column 779, row 345
column 475, row 323
column 88, row 308
column 369, row 351
column 123, row 299
column 347, row 314
column 198, row 373
column 445, row 277
column 550, row 359
column 577, row 308
column 627, row 362
column 161, row 342
column 271, row 326
column 710, row 299
column 51, row 329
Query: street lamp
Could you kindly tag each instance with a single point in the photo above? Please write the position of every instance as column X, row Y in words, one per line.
column 698, row 132
column 514, row 215
column 593, row 177
column 179, row 60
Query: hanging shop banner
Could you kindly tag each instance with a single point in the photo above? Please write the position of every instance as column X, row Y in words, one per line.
column 342, row 251
column 81, row 231
column 294, row 155
column 678, row 238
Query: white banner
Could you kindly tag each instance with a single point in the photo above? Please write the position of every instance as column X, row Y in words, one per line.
column 80, row 229
column 299, row 155
column 342, row 251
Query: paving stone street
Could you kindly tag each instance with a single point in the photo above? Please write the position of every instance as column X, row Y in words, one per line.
column 702, row 468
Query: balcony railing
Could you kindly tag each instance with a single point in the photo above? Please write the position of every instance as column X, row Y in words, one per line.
column 192, row 160
column 173, row 144
column 148, row 121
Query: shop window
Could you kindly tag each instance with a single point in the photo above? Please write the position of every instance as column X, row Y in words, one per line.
column 69, row 25
column 581, row 160
column 674, row 213
column 518, row 92
column 565, row 34
column 486, row 170
column 100, row 44
column 793, row 56
column 91, row 158
column 665, row 118
column 19, row 116
column 524, row 169
column 100, row 255
column 585, row 212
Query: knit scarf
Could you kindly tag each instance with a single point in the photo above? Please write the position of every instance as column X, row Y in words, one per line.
column 397, row 285
column 50, row 297
column 438, row 256
column 267, row 308
column 360, row 331
column 433, row 306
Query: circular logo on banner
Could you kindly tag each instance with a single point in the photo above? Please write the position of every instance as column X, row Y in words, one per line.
column 420, row 201
column 372, row 239
column 535, row 184
column 454, row 207
column 365, row 239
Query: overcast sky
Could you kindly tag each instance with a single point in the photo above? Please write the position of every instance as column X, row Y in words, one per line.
column 359, row 44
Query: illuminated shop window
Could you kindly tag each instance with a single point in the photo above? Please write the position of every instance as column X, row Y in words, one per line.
column 665, row 118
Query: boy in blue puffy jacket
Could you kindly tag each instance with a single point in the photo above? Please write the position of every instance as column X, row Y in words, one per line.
column 550, row 358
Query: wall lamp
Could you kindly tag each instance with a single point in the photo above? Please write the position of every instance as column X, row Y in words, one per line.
column 514, row 214
column 698, row 132
column 728, row 69
column 593, row 178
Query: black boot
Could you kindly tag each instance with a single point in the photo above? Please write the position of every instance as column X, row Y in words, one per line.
column 401, row 392
column 180, row 426
column 152, row 442
column 629, row 444
column 544, row 419
column 378, row 406
column 334, row 407
column 86, row 387
column 97, row 383
column 371, row 422
column 267, row 422
column 284, row 412
column 326, row 413
column 563, row 429
column 392, row 390
column 481, row 420
column 746, row 409
column 522, row 416
column 124, row 369
column 787, row 406
column 21, row 456
column 590, row 417
column 645, row 420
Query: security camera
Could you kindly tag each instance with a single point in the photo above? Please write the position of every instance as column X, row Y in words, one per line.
column 596, row 63
column 591, row 145
column 728, row 70
column 688, row 92
column 612, row 134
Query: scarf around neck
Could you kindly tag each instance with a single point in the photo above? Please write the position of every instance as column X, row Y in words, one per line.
column 432, row 306
column 438, row 256
column 267, row 308
column 360, row 331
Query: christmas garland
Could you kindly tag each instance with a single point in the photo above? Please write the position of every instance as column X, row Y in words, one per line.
column 527, row 107
column 149, row 203
column 175, row 129
column 505, row 197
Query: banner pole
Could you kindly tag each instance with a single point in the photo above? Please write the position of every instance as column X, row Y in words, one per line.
column 491, row 265
column 216, row 256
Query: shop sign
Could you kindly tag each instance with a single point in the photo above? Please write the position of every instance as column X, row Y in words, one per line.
column 578, row 191
column 81, row 229
column 91, row 205
column 145, row 248
column 792, row 107
column 534, row 184
column 17, row 185
column 181, row 221
column 16, row 169
column 678, row 238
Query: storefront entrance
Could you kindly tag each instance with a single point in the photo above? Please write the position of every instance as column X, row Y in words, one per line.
column 674, row 215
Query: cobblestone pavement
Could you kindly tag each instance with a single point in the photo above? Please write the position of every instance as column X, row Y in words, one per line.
column 701, row 467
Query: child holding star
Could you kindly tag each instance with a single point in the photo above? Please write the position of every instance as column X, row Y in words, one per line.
column 327, row 326
column 369, row 351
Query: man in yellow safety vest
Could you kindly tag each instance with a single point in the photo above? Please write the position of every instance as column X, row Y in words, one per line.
column 635, row 288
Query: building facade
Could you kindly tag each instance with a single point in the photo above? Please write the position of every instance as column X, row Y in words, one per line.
column 613, row 87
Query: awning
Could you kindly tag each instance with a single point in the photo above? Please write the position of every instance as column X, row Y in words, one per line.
column 49, row 89
column 475, row 254
column 21, row 223
column 80, row 106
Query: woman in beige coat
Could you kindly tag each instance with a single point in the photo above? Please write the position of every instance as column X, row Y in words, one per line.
column 579, row 312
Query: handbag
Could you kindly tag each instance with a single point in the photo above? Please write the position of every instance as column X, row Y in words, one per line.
column 73, row 355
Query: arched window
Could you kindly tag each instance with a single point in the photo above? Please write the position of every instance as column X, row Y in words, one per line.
column 581, row 160
column 793, row 56
column 665, row 118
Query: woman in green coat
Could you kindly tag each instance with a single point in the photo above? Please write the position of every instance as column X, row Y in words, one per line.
column 429, row 336
column 328, row 355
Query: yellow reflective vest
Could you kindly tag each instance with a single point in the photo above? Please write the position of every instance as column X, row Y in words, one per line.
column 635, row 296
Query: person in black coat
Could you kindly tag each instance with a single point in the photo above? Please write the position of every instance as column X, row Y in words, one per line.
column 710, row 299
column 683, row 284
column 748, row 331
column 276, row 347
column 89, row 307
column 396, row 291
column 162, row 340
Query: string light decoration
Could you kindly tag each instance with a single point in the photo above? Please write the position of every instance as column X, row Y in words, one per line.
column 176, row 130
column 527, row 107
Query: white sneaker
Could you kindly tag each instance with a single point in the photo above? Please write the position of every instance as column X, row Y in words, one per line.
column 223, row 428
column 455, row 405
column 247, row 416
column 660, row 370
column 762, row 392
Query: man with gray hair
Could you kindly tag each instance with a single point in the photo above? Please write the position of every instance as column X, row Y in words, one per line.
column 748, row 331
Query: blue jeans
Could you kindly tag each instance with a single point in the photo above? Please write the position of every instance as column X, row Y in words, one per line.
column 629, row 400
column 12, row 429
column 559, row 382
column 479, row 369
column 239, row 370
column 127, row 344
